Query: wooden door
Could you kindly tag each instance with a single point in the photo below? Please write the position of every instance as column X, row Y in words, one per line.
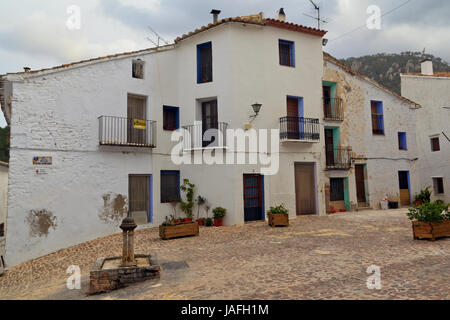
column 360, row 183
column 305, row 188
column 139, row 197
column 403, row 177
column 253, row 198
column 293, row 127
column 136, row 110
column 209, row 121
column 329, row 147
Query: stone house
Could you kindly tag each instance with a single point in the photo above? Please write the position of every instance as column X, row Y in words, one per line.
column 370, row 140
column 432, row 90
column 3, row 209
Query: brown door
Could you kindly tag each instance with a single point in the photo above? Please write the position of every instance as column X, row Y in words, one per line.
column 293, row 118
column 403, row 177
column 305, row 189
column 139, row 196
column 329, row 147
column 136, row 110
column 209, row 121
column 360, row 183
column 253, row 203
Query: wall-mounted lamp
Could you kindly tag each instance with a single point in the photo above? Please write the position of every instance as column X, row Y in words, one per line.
column 256, row 109
column 324, row 42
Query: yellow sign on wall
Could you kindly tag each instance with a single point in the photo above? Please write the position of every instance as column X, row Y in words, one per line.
column 140, row 124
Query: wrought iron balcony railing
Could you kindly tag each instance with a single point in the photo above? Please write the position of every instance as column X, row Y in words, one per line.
column 333, row 109
column 205, row 135
column 299, row 129
column 117, row 131
column 338, row 158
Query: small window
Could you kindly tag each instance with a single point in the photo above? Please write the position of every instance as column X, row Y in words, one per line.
column 204, row 63
column 402, row 145
column 138, row 69
column 438, row 184
column 435, row 145
column 337, row 189
column 287, row 53
column 2, row 230
column 171, row 118
column 170, row 186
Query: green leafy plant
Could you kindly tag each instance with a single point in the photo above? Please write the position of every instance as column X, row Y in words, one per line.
column 281, row 209
column 200, row 202
column 219, row 212
column 169, row 221
column 208, row 222
column 188, row 206
column 424, row 196
column 430, row 212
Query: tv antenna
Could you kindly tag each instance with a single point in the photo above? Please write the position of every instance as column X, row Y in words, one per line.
column 158, row 37
column 318, row 18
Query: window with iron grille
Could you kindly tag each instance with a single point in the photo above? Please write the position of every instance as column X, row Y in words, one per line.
column 287, row 53
column 438, row 184
column 171, row 121
column 435, row 145
column 204, row 63
column 170, row 186
column 337, row 189
column 138, row 69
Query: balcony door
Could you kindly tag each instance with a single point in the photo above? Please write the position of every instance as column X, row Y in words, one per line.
column 136, row 122
column 293, row 127
column 329, row 147
column 327, row 101
column 210, row 121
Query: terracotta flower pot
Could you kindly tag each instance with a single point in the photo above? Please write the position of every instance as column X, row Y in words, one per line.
column 418, row 203
column 201, row 222
column 188, row 220
column 218, row 222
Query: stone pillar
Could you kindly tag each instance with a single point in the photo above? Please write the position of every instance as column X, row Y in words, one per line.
column 128, row 225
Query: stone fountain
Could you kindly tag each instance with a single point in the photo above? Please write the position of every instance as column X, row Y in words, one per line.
column 110, row 274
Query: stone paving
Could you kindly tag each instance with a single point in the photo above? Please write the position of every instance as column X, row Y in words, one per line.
column 315, row 258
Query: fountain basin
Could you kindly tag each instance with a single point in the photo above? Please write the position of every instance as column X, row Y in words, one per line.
column 107, row 274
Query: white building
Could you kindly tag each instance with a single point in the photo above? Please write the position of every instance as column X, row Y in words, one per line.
column 3, row 209
column 432, row 91
column 79, row 160
column 370, row 140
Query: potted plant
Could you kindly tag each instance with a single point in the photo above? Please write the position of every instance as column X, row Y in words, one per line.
column 200, row 202
column 423, row 197
column 188, row 206
column 219, row 214
column 209, row 222
column 431, row 220
column 278, row 216
column 171, row 229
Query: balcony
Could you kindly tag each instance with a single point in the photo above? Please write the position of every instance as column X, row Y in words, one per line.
column 338, row 158
column 333, row 109
column 297, row 129
column 116, row 131
column 199, row 136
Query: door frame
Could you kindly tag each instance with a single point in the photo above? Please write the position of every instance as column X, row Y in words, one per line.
column 366, row 186
column 263, row 205
column 150, row 217
column 316, row 194
column 408, row 177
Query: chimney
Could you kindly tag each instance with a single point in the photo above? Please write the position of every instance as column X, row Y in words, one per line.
column 215, row 14
column 281, row 15
column 27, row 69
column 427, row 67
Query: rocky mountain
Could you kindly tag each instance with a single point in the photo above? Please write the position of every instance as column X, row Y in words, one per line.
column 386, row 68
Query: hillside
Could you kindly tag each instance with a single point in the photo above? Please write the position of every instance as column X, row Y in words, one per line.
column 386, row 68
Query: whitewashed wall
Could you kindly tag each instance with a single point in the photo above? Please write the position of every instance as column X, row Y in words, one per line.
column 433, row 93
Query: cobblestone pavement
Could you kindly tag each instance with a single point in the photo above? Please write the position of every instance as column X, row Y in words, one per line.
column 315, row 258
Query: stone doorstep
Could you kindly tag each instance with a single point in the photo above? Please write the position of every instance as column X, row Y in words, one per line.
column 102, row 281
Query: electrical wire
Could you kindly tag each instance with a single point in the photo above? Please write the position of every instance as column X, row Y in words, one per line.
column 363, row 26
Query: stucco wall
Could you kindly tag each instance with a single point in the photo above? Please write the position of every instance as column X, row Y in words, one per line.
column 432, row 119
column 380, row 153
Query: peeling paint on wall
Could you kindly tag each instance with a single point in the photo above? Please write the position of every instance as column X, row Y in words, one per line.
column 115, row 208
column 41, row 221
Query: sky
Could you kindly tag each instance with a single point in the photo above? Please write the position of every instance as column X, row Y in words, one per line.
column 36, row 34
